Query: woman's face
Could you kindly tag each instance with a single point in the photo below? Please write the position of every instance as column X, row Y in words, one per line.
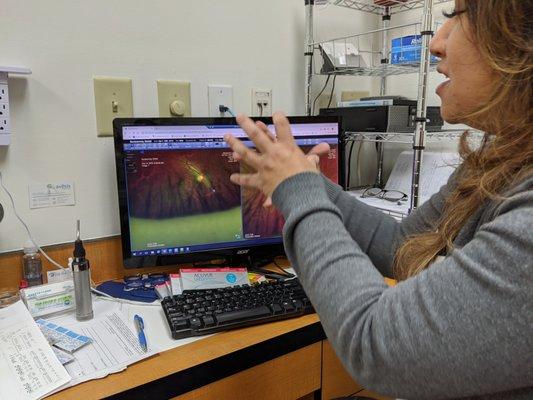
column 469, row 82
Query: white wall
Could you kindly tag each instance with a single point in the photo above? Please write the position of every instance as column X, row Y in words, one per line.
column 243, row 43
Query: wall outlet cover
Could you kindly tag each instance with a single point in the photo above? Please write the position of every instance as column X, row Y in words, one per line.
column 261, row 102
column 113, row 99
column 219, row 95
column 174, row 98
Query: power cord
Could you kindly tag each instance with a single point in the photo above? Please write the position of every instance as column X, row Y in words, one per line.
column 30, row 236
column 332, row 90
column 125, row 301
column 318, row 95
column 224, row 109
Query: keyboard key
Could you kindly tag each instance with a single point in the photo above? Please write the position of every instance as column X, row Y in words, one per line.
column 196, row 323
column 234, row 316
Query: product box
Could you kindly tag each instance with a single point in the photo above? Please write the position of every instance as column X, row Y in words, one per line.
column 212, row 278
column 406, row 50
column 175, row 284
column 49, row 298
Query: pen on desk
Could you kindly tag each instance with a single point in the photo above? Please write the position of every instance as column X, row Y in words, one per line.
column 139, row 325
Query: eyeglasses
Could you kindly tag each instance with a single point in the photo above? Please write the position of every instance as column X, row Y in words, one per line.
column 143, row 282
column 389, row 195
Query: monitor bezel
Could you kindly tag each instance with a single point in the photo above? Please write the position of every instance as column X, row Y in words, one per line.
column 234, row 255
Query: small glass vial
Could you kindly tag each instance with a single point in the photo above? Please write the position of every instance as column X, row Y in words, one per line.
column 32, row 265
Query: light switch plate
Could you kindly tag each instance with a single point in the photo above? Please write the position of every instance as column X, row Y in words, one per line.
column 174, row 98
column 113, row 99
column 219, row 95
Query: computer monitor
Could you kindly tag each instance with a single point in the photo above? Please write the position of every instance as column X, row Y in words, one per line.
column 177, row 204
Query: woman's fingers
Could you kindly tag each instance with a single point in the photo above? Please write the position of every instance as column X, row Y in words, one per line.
column 244, row 154
column 261, row 140
column 320, row 149
column 268, row 202
column 283, row 128
column 313, row 158
column 264, row 128
column 246, row 180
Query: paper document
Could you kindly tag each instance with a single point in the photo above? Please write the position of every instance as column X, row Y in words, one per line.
column 114, row 346
column 28, row 367
column 435, row 171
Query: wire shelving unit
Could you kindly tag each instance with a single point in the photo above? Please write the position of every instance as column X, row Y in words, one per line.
column 380, row 66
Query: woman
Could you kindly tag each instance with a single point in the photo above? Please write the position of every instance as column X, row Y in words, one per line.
column 460, row 322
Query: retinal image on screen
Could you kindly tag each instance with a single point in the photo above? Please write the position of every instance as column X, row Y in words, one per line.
column 179, row 195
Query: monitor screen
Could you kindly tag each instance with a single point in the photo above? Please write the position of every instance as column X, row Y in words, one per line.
column 176, row 201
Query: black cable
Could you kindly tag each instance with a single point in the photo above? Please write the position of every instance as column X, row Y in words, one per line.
column 349, row 165
column 318, row 95
column 287, row 274
column 332, row 89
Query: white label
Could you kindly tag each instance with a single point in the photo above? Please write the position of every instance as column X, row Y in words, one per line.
column 51, row 194
column 59, row 275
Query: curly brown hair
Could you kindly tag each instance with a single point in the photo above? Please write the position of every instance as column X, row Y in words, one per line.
column 503, row 33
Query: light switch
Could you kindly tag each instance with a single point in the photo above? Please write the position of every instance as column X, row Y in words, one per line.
column 113, row 99
column 174, row 98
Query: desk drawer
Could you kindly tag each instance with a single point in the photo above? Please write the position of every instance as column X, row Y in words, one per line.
column 290, row 376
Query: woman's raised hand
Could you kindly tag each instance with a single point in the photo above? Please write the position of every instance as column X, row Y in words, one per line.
column 279, row 156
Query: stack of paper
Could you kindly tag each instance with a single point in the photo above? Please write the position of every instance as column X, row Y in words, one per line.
column 28, row 367
column 114, row 346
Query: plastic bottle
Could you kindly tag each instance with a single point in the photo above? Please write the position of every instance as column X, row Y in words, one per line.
column 32, row 265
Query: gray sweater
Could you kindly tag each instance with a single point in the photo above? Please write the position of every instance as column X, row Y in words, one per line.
column 462, row 328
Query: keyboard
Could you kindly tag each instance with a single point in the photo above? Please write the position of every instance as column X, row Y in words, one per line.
column 202, row 312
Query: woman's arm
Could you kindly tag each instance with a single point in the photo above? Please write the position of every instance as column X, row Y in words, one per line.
column 460, row 328
column 379, row 235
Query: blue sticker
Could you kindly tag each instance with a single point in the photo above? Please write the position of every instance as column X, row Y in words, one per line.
column 231, row 278
column 72, row 334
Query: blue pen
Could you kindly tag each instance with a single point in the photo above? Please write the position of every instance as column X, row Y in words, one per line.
column 139, row 324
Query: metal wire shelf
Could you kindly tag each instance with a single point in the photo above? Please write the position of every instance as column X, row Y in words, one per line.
column 388, row 6
column 379, row 71
column 363, row 54
column 407, row 137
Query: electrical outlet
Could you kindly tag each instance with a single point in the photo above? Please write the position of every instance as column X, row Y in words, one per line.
column 348, row 95
column 261, row 102
column 4, row 106
column 113, row 99
column 174, row 98
column 4, row 118
column 218, row 95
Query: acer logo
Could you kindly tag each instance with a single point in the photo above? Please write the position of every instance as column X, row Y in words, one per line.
column 243, row 251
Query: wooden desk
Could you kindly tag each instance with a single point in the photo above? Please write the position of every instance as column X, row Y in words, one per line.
column 282, row 360
column 271, row 361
